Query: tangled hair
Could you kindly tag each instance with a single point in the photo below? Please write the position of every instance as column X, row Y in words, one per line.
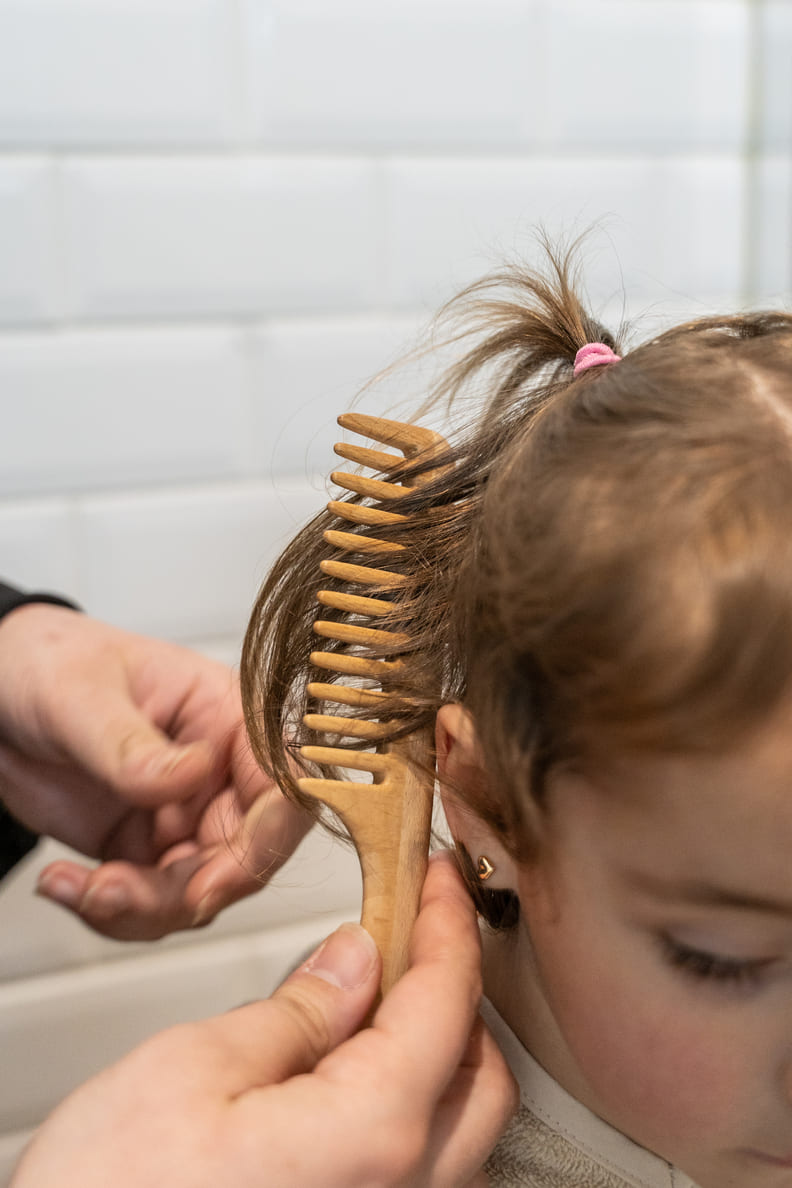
column 604, row 567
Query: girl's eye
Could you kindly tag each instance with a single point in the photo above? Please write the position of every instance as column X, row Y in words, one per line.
column 711, row 967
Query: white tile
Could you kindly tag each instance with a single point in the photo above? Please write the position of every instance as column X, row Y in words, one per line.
column 604, row 74
column 36, row 937
column 115, row 408
column 114, row 71
column 647, row 76
column 164, row 237
column 36, row 546
column 663, row 226
column 775, row 79
column 413, row 73
column 772, row 269
column 29, row 277
column 305, row 373
column 58, row 1030
column 182, row 564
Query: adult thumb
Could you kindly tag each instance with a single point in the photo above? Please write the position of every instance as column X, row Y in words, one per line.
column 319, row 1006
column 149, row 768
column 117, row 743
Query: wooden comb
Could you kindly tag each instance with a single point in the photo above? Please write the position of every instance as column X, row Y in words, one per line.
column 389, row 819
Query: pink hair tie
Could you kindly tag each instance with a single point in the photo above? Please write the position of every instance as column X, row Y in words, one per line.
column 592, row 355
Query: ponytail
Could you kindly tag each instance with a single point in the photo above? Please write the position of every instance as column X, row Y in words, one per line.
column 522, row 331
column 602, row 564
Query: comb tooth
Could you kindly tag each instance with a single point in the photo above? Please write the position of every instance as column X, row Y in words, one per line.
column 410, row 438
column 354, row 604
column 355, row 760
column 389, row 819
column 374, row 488
column 347, row 727
column 346, row 695
column 356, row 542
column 362, row 574
column 378, row 670
column 365, row 636
column 365, row 457
column 359, row 513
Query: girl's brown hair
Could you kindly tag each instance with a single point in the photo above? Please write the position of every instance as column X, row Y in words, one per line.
column 605, row 565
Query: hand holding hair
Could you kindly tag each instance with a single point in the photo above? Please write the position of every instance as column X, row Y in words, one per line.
column 133, row 750
column 276, row 1093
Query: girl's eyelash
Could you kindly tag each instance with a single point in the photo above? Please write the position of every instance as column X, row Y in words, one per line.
column 710, row 967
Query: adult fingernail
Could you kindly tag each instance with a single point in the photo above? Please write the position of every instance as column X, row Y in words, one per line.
column 165, row 760
column 346, row 958
column 206, row 910
column 60, row 888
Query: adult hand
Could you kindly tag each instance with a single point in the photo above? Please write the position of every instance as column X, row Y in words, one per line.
column 275, row 1094
column 133, row 750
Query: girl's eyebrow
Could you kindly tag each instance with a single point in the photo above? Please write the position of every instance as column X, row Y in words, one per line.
column 703, row 894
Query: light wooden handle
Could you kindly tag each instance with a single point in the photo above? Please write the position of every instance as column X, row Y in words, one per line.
column 390, row 823
column 393, row 848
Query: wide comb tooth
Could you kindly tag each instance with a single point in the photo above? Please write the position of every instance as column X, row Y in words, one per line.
column 376, row 459
column 354, row 604
column 369, row 637
column 373, row 488
column 360, row 513
column 346, row 694
column 355, row 760
column 412, row 439
column 361, row 574
column 377, row 670
column 356, row 542
column 347, row 727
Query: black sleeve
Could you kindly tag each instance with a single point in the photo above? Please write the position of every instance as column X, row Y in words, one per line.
column 16, row 840
column 11, row 598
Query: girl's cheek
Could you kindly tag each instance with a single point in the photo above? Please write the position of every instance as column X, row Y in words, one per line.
column 656, row 1067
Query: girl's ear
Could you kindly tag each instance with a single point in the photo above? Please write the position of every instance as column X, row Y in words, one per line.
column 460, row 767
column 455, row 741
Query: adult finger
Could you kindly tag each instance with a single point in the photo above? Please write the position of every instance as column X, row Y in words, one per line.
column 445, row 969
column 473, row 1112
column 126, row 901
column 421, row 1030
column 104, row 732
column 140, row 763
column 412, row 1089
column 318, row 1006
column 193, row 882
column 266, row 837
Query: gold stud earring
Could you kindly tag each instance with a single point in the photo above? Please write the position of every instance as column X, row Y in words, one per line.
column 484, row 868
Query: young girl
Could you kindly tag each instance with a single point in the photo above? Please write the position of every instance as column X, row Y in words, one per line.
column 599, row 602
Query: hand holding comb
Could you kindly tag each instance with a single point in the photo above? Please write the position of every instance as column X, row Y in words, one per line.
column 388, row 819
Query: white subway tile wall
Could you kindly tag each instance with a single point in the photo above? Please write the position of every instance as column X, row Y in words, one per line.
column 30, row 279
column 84, row 73
column 775, row 75
column 217, row 219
